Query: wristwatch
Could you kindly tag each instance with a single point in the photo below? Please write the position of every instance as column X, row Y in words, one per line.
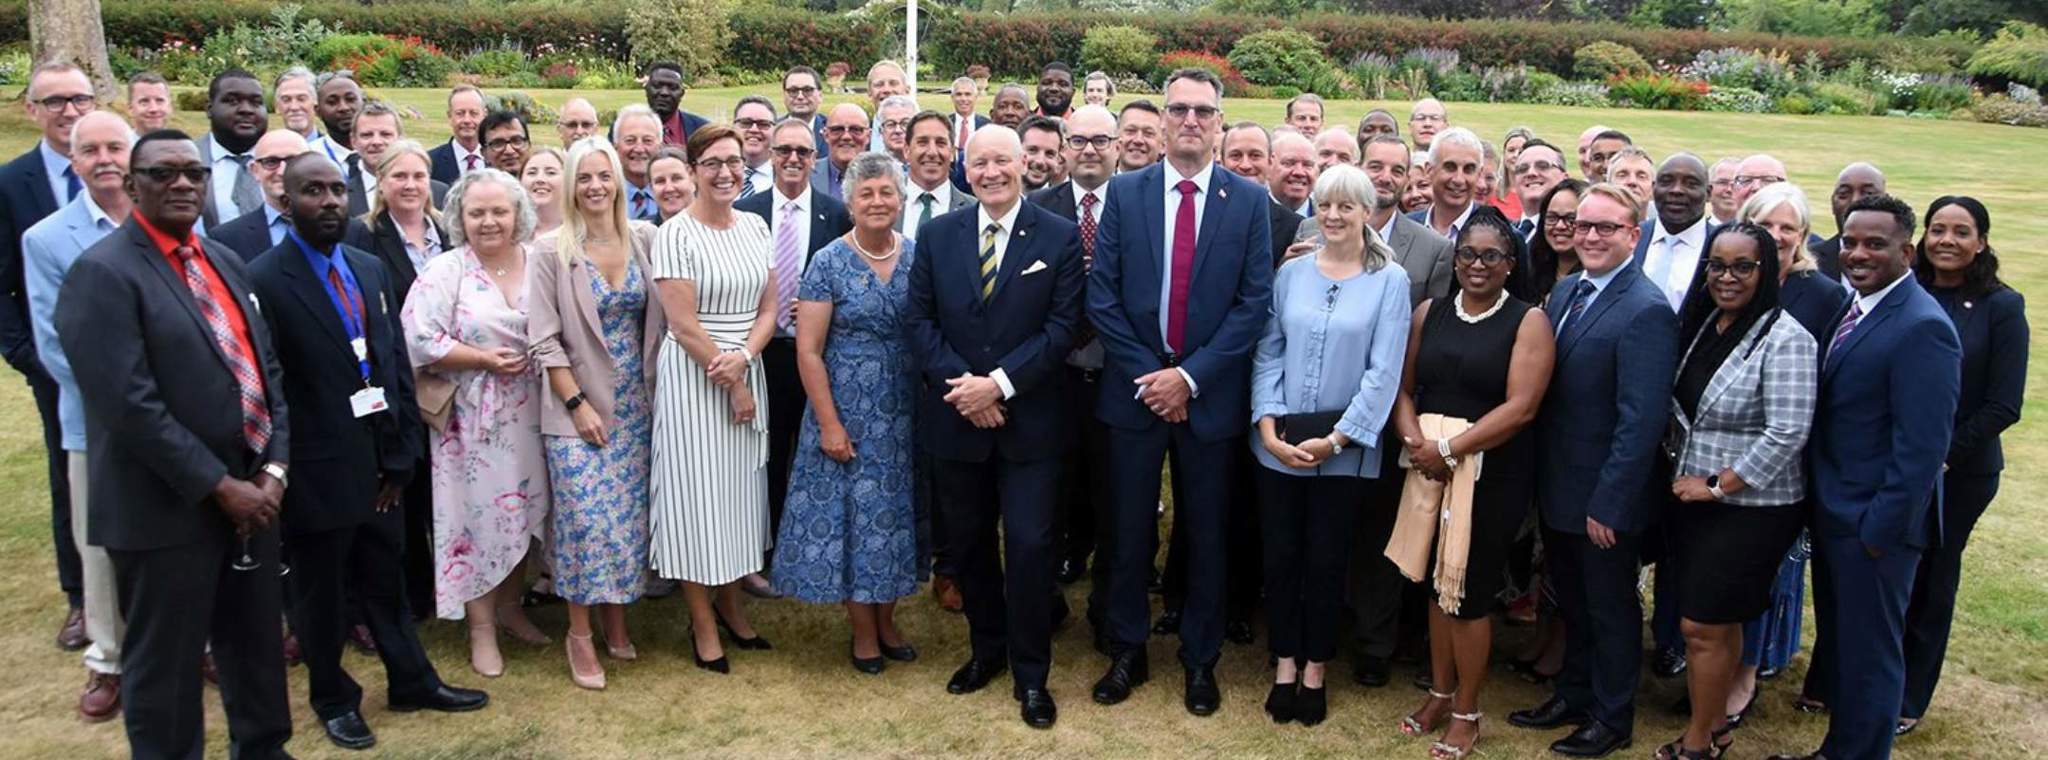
column 1714, row 487
column 276, row 471
column 1335, row 447
column 573, row 401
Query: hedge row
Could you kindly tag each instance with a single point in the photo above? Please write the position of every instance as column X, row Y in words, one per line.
column 598, row 26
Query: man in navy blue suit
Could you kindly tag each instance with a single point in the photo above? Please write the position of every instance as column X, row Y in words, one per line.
column 1179, row 292
column 1890, row 376
column 995, row 299
column 1617, row 353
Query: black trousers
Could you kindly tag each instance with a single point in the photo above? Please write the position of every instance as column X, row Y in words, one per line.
column 360, row 563
column 1084, row 480
column 1382, row 599
column 1203, row 506
column 1004, row 584
column 178, row 598
column 1932, row 608
column 418, row 541
column 1306, row 526
column 1241, row 588
column 1603, row 620
column 70, row 573
column 785, row 417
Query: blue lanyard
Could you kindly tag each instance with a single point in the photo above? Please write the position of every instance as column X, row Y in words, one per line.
column 344, row 301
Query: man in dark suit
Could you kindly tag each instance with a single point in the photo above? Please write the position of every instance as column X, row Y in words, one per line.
column 338, row 99
column 846, row 136
column 1891, row 375
column 1600, row 425
column 927, row 190
column 1179, row 292
column 1856, row 181
column 964, row 121
column 33, row 186
column 349, row 384
column 464, row 151
column 665, row 90
column 375, row 130
column 185, row 407
column 802, row 93
column 237, row 116
column 261, row 230
column 1293, row 176
column 995, row 296
column 813, row 220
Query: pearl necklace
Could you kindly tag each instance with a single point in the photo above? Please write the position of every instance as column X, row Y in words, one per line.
column 894, row 248
column 1458, row 306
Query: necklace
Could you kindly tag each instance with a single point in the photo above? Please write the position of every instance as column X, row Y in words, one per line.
column 1458, row 305
column 894, row 248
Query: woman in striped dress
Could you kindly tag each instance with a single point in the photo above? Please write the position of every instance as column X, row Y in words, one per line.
column 709, row 511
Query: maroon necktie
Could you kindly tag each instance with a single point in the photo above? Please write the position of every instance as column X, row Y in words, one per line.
column 1183, row 267
column 255, row 412
column 1088, row 202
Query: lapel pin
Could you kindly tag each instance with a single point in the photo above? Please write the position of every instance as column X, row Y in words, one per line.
column 1222, row 192
column 1969, row 304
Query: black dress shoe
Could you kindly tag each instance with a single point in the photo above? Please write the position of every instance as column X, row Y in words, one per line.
column 1168, row 625
column 1202, row 696
column 1371, row 671
column 1668, row 663
column 1239, row 632
column 904, row 653
column 720, row 666
column 868, row 665
column 1157, row 585
column 1594, row 739
column 1037, row 708
column 1060, row 610
column 1311, row 706
column 1551, row 714
column 1071, row 570
column 443, row 698
column 1127, row 670
column 1280, row 702
column 758, row 642
column 975, row 674
column 348, row 731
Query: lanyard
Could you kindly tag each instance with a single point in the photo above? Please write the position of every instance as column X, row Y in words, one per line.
column 347, row 302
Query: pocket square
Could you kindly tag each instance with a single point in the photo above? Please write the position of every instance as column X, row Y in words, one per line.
column 1036, row 266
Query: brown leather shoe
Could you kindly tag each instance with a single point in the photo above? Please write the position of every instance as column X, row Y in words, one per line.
column 947, row 593
column 71, row 637
column 359, row 635
column 102, row 698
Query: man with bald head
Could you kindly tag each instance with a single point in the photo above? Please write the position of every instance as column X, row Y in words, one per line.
column 995, row 300
column 464, row 151
column 1674, row 243
column 261, row 230
column 1425, row 120
column 577, row 120
column 846, row 133
column 1585, row 147
column 1293, row 176
column 1755, row 173
column 1012, row 104
column 99, row 158
column 1857, row 181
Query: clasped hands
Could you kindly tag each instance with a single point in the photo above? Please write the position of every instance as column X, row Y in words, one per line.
column 728, row 370
column 979, row 399
column 1426, row 458
column 1165, row 391
column 250, row 504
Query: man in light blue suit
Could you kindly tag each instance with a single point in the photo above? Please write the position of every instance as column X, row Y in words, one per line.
column 1617, row 353
column 1179, row 294
column 1891, row 372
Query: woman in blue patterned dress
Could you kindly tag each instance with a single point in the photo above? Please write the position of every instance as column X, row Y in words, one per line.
column 849, row 526
column 598, row 419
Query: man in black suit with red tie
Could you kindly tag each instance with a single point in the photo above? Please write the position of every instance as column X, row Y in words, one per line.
column 350, row 387
column 184, row 399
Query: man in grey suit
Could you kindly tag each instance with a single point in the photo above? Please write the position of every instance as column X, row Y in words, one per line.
column 928, row 191
column 238, row 117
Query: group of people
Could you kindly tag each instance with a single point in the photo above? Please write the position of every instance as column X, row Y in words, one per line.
column 1401, row 385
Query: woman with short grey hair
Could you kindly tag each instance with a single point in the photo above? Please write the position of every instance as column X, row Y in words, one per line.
column 870, row 166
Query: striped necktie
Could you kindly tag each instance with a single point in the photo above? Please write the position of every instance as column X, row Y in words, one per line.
column 1848, row 326
column 249, row 381
column 988, row 260
column 1580, row 295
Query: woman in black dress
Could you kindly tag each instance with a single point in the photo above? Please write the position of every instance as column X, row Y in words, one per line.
column 1550, row 257
column 1480, row 357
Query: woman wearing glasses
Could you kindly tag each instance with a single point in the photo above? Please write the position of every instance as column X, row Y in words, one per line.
column 709, row 511
column 1478, row 363
column 1740, row 413
column 1551, row 257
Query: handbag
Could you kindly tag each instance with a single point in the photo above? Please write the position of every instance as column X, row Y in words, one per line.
column 434, row 392
column 1296, row 429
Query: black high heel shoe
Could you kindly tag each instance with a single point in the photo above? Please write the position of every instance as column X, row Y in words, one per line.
column 757, row 643
column 905, row 653
column 721, row 665
column 1311, row 706
column 868, row 665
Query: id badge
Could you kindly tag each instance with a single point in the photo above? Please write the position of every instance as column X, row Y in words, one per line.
column 361, row 348
column 368, row 401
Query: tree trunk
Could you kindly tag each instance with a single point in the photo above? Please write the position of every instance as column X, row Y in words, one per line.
column 70, row 30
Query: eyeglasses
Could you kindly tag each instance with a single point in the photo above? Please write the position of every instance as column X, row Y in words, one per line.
column 845, row 129
column 1465, row 257
column 1561, row 221
column 1098, row 142
column 751, row 123
column 732, row 164
column 270, row 163
column 1597, row 229
column 1181, row 111
column 1758, row 179
column 799, row 151
column 800, row 92
column 82, row 103
column 164, row 175
column 1719, row 183
column 1426, row 118
column 1537, row 166
column 578, row 125
column 1743, row 270
column 506, row 142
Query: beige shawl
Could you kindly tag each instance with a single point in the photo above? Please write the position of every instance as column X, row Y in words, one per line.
column 1428, row 506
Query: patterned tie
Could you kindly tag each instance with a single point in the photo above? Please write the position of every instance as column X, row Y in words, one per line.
column 1580, row 295
column 966, row 130
column 747, row 186
column 1183, row 267
column 255, row 412
column 1088, row 201
column 924, row 213
column 246, row 195
column 469, row 163
column 788, row 259
column 1848, row 326
column 643, row 207
column 71, row 185
column 1523, row 227
column 988, row 260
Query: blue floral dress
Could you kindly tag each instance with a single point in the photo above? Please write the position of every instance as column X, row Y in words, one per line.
column 849, row 530
column 600, row 518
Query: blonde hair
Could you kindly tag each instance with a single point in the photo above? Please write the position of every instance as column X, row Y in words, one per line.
column 1614, row 192
column 569, row 242
column 1768, row 200
column 392, row 153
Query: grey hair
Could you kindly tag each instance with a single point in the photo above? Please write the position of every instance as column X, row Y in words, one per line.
column 969, row 81
column 870, row 166
column 458, row 195
column 1768, row 200
column 1459, row 136
column 1629, row 152
column 1345, row 182
column 127, row 132
column 898, row 101
column 295, row 72
column 634, row 111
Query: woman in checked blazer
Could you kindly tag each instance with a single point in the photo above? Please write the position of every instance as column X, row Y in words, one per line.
column 1741, row 410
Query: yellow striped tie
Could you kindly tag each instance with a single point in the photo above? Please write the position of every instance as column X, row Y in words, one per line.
column 988, row 260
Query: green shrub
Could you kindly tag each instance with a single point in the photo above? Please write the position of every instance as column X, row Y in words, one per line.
column 693, row 33
column 189, row 101
column 2003, row 109
column 495, row 62
column 1859, row 18
column 1737, row 100
column 2019, row 52
column 1119, row 50
column 1841, row 98
column 1797, row 105
column 1507, row 84
column 1656, row 91
column 1603, row 59
column 1576, row 94
column 1279, row 57
column 14, row 68
column 1769, row 73
column 529, row 111
column 1281, row 92
column 380, row 61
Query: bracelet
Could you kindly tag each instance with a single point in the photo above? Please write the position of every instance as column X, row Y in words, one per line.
column 1443, row 448
column 747, row 355
column 1719, row 495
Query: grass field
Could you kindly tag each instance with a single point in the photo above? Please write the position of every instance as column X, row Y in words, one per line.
column 803, row 700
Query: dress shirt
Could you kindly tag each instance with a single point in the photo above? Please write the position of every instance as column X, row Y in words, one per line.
column 230, row 308
column 971, row 129
column 1456, row 224
column 54, row 166
column 462, row 155
column 276, row 224
column 43, row 271
column 1004, row 226
column 1306, row 210
column 1867, row 304
column 222, row 183
column 638, row 206
column 1386, row 231
column 419, row 255
column 1172, row 178
column 803, row 234
column 339, row 153
column 1599, row 286
column 1100, row 192
column 942, row 201
column 758, row 178
column 1672, row 258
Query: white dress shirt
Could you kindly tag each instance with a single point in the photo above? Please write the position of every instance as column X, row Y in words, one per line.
column 942, row 201
column 1004, row 226
column 1600, row 283
column 1868, row 304
column 1672, row 258
column 462, row 155
column 1172, row 178
column 1100, row 192
column 1456, row 224
column 759, row 178
column 222, row 183
column 338, row 153
column 54, row 164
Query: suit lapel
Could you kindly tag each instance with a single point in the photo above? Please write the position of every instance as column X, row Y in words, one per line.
column 1018, row 255
column 1602, row 301
column 306, row 286
column 180, row 293
column 580, row 275
column 820, row 235
column 1867, row 325
column 1152, row 200
column 1212, row 218
column 393, row 242
column 1403, row 236
column 1725, row 375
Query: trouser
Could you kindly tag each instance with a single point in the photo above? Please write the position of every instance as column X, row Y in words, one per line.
column 359, row 561
column 1865, row 631
column 1603, row 621
column 176, row 599
column 1933, row 605
column 1085, row 477
column 785, row 418
column 1379, row 594
column 103, row 621
column 1206, row 473
column 1009, row 610
column 1306, row 526
column 70, row 572
column 419, row 541
column 1242, row 542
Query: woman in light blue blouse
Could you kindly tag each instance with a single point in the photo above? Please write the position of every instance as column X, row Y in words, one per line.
column 1323, row 383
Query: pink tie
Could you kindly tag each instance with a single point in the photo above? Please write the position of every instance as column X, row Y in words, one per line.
column 966, row 123
column 787, row 262
column 1183, row 267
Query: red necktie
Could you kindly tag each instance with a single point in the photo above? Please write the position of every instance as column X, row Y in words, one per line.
column 471, row 161
column 1088, row 202
column 966, row 124
column 349, row 302
column 255, row 411
column 1183, row 267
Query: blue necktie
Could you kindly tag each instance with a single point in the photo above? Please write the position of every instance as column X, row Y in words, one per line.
column 71, row 185
column 1580, row 295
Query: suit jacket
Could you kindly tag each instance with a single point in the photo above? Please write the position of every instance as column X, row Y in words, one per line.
column 955, row 200
column 1286, row 224
column 1605, row 414
column 1025, row 328
column 381, row 238
column 359, row 199
column 1993, row 330
column 1427, row 257
column 24, row 200
column 445, row 169
column 47, row 251
column 337, row 457
column 1058, row 199
column 822, row 182
column 828, row 217
column 1755, row 415
column 563, row 329
column 1230, row 296
column 162, row 410
column 1887, row 402
column 248, row 234
column 211, row 215
column 1827, row 254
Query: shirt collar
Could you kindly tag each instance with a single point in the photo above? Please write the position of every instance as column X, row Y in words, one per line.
column 53, row 162
column 1387, row 230
column 220, row 152
column 1200, row 178
column 99, row 217
column 802, row 200
column 1008, row 221
column 1601, row 281
column 942, row 196
column 1695, row 235
column 1099, row 191
column 164, row 242
column 1870, row 302
column 1456, row 224
column 271, row 215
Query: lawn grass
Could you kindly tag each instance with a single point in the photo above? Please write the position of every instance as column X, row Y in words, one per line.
column 803, row 700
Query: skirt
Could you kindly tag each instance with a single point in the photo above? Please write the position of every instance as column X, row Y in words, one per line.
column 1729, row 556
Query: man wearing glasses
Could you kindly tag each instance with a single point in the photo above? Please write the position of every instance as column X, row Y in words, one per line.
column 257, row 231
column 577, row 121
column 846, row 135
column 1425, row 120
column 1533, row 174
column 505, row 141
column 33, row 186
column 800, row 99
column 753, row 117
